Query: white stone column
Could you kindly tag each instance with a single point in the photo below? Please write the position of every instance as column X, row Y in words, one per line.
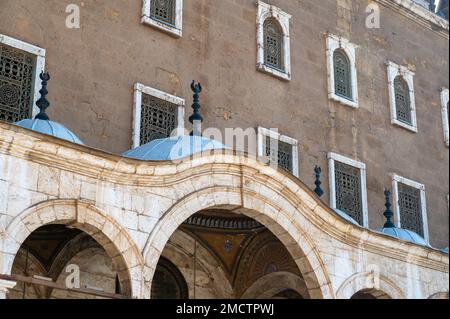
column 4, row 286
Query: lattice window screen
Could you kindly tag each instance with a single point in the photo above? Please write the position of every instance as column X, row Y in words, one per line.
column 348, row 190
column 158, row 118
column 410, row 205
column 16, row 84
column 273, row 44
column 342, row 74
column 283, row 156
column 163, row 10
column 402, row 100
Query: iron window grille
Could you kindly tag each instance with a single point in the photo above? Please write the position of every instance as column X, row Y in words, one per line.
column 158, row 119
column 273, row 44
column 16, row 84
column 348, row 191
column 402, row 100
column 283, row 156
column 342, row 75
column 164, row 11
column 410, row 204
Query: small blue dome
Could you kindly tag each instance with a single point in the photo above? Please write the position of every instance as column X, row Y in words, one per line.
column 174, row 148
column 50, row 128
column 404, row 234
column 346, row 217
column 445, row 250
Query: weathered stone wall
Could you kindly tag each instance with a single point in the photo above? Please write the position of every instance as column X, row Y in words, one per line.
column 132, row 208
column 94, row 69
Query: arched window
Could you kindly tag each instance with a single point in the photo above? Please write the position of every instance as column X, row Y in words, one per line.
column 273, row 44
column 164, row 11
column 342, row 74
column 402, row 100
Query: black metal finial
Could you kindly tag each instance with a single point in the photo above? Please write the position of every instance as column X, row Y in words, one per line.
column 388, row 213
column 319, row 191
column 43, row 103
column 196, row 118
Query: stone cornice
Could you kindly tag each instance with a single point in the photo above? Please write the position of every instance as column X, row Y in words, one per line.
column 418, row 14
column 42, row 149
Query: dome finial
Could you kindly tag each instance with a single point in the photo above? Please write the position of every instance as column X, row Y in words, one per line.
column 388, row 212
column 196, row 118
column 318, row 190
column 43, row 103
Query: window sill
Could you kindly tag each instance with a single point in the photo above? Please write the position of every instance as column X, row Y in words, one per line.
column 173, row 31
column 343, row 100
column 274, row 72
column 408, row 127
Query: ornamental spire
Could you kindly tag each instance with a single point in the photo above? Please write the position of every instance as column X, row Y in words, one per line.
column 388, row 212
column 318, row 190
column 43, row 103
column 196, row 118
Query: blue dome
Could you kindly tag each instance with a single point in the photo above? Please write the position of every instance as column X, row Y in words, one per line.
column 346, row 217
column 404, row 234
column 174, row 148
column 445, row 250
column 50, row 128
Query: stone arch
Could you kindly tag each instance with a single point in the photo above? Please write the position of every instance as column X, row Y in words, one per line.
column 84, row 216
column 440, row 295
column 381, row 287
column 272, row 284
column 264, row 210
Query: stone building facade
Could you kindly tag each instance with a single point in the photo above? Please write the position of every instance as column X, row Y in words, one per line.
column 359, row 88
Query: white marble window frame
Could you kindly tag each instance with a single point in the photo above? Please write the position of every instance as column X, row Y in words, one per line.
column 176, row 31
column 396, row 179
column 38, row 69
column 393, row 71
column 140, row 89
column 266, row 11
column 334, row 157
column 334, row 43
column 273, row 134
column 444, row 111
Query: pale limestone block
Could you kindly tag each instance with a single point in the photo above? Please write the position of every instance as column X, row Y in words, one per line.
column 307, row 200
column 47, row 215
column 145, row 169
column 32, row 221
column 110, row 229
column 139, row 238
column 65, row 212
column 22, row 173
column 18, row 200
column 131, row 257
column 165, row 170
column 122, row 242
column 95, row 219
column 5, row 285
column 10, row 245
column 88, row 191
column 146, row 224
column 69, row 185
column 48, row 180
column 8, row 261
column 3, row 196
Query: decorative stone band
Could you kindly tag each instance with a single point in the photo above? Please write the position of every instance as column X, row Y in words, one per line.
column 238, row 223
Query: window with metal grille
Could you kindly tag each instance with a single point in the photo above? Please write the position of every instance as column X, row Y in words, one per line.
column 158, row 118
column 342, row 75
column 402, row 100
column 410, row 204
column 16, row 84
column 273, row 44
column 283, row 155
column 164, row 11
column 348, row 190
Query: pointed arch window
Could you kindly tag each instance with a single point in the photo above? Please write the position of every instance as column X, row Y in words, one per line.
column 273, row 41
column 402, row 100
column 273, row 44
column 342, row 74
column 401, row 96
